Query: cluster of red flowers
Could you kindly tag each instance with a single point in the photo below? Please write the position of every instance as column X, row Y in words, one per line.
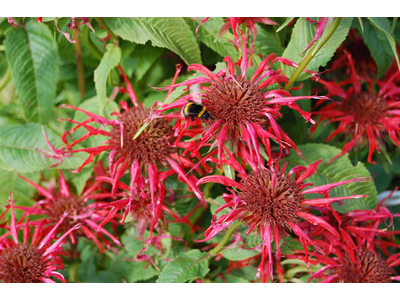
column 146, row 146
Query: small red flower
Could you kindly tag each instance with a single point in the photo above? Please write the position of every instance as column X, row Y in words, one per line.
column 270, row 203
column 365, row 117
column 34, row 262
column 368, row 266
column 243, row 111
column 235, row 22
column 57, row 202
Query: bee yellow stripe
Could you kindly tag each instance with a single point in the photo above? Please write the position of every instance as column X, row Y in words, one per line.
column 202, row 112
column 186, row 111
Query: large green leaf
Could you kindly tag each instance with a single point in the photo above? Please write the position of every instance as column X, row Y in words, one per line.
column 267, row 42
column 340, row 170
column 190, row 265
column 384, row 25
column 236, row 254
column 303, row 33
column 207, row 33
column 22, row 149
column 171, row 33
column 378, row 45
column 109, row 61
column 33, row 57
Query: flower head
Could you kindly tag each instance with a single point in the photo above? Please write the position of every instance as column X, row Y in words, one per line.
column 271, row 203
column 243, row 111
column 365, row 117
column 57, row 202
column 368, row 266
column 34, row 262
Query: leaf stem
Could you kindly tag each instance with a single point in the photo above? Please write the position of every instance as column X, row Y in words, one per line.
column 311, row 54
column 106, row 28
column 79, row 62
column 89, row 43
column 225, row 238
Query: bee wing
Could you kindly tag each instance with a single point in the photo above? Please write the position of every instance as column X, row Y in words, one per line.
column 195, row 92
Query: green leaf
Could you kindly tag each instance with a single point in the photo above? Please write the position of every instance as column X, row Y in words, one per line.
column 33, row 57
column 378, row 45
column 22, row 190
column 80, row 179
column 231, row 279
column 22, row 148
column 340, row 170
column 146, row 56
column 171, row 33
column 190, row 265
column 109, row 61
column 384, row 25
column 288, row 20
column 236, row 254
column 267, row 42
column 303, row 33
column 207, row 33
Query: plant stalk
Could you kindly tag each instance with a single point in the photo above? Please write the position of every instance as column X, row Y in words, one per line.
column 311, row 54
column 89, row 43
column 225, row 238
column 79, row 62
column 106, row 28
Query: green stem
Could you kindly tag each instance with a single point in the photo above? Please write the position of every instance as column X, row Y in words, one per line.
column 105, row 27
column 394, row 25
column 311, row 54
column 225, row 238
column 89, row 43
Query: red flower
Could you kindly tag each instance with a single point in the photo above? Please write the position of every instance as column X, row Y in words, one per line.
column 150, row 155
column 272, row 204
column 35, row 262
column 365, row 117
column 367, row 267
column 243, row 111
column 57, row 202
column 235, row 22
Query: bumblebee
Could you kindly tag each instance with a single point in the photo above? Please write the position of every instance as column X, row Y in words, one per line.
column 194, row 110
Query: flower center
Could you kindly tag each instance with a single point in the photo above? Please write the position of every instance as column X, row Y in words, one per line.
column 235, row 102
column 73, row 206
column 151, row 146
column 275, row 204
column 366, row 107
column 22, row 264
column 369, row 268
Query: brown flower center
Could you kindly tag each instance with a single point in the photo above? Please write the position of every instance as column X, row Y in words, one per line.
column 22, row 264
column 366, row 107
column 235, row 102
column 151, row 146
column 370, row 268
column 73, row 206
column 275, row 204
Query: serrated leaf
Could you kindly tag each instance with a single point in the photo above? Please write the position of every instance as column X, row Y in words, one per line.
column 171, row 33
column 303, row 33
column 267, row 43
column 236, row 254
column 231, row 279
column 378, row 45
column 33, row 57
column 384, row 26
column 207, row 33
column 190, row 265
column 109, row 61
column 22, row 147
column 340, row 170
